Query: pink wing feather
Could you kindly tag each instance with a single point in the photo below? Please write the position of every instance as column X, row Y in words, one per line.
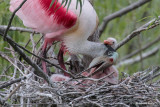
column 37, row 15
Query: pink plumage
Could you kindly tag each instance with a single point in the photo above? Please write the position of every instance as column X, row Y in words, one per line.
column 58, row 24
column 59, row 78
column 60, row 14
column 113, row 78
column 52, row 21
column 38, row 15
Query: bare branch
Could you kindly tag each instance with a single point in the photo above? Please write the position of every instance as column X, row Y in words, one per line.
column 27, row 59
column 11, row 61
column 6, row 84
column 119, row 13
column 13, row 14
column 143, row 48
column 12, row 28
column 137, row 59
column 14, row 91
column 145, row 27
column 3, row 103
column 146, row 78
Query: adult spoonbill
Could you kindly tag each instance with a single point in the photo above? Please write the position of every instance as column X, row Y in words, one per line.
column 109, row 74
column 70, row 26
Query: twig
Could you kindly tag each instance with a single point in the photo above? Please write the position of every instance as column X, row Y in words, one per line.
column 119, row 13
column 42, row 58
column 145, row 27
column 27, row 59
column 11, row 61
column 137, row 59
column 12, row 82
column 12, row 28
column 4, row 103
column 10, row 21
column 143, row 48
column 145, row 78
column 14, row 91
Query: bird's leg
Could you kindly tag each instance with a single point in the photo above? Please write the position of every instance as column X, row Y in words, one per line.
column 61, row 60
column 44, row 56
column 47, row 41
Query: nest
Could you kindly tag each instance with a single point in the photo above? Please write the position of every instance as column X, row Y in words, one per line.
column 140, row 89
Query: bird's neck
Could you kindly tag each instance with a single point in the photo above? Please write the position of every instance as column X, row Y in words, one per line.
column 84, row 47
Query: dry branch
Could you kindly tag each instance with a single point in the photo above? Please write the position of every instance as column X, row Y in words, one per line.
column 143, row 48
column 6, row 84
column 119, row 13
column 137, row 59
column 12, row 28
column 3, row 102
column 150, row 25
column 13, row 14
column 26, row 58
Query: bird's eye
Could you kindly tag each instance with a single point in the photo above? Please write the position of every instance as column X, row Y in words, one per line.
column 113, row 42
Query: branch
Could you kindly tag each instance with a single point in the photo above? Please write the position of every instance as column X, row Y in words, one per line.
column 26, row 58
column 3, row 103
column 7, row 58
column 6, row 84
column 146, row 78
column 10, row 21
column 153, row 23
column 64, row 71
column 137, row 59
column 12, row 28
column 119, row 13
column 19, row 85
column 143, row 48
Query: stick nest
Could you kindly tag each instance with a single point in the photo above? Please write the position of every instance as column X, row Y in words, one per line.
column 140, row 89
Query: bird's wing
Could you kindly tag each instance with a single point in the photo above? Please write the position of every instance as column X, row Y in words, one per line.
column 38, row 15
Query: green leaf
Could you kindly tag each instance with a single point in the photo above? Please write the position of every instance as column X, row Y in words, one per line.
column 79, row 2
column 150, row 24
column 156, row 14
column 66, row 3
column 51, row 4
column 69, row 4
column 144, row 18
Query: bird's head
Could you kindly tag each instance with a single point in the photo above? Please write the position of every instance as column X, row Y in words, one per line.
column 111, row 41
column 107, row 59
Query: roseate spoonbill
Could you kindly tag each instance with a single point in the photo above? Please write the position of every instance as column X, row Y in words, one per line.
column 108, row 74
column 111, row 41
column 58, row 23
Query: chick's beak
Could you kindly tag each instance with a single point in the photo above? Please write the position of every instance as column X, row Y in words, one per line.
column 103, row 62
